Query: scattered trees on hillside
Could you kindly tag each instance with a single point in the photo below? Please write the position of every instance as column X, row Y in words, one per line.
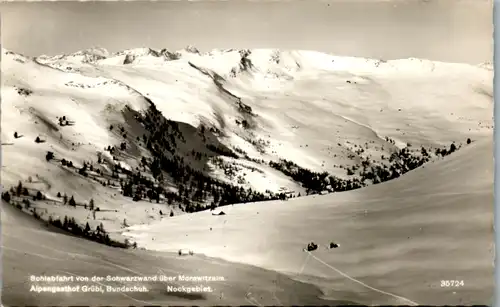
column 444, row 152
column 98, row 235
column 68, row 223
column 195, row 187
column 389, row 140
column 197, row 190
column 314, row 182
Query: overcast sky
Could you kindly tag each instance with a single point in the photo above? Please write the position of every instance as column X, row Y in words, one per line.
column 444, row 30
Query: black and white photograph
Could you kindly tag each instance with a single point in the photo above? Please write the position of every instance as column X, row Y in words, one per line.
column 256, row 153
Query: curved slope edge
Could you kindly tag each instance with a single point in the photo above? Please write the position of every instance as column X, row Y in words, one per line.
column 30, row 249
column 402, row 237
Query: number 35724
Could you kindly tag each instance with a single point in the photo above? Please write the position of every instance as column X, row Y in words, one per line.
column 452, row 283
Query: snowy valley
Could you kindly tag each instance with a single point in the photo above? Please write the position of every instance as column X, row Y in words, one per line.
column 142, row 148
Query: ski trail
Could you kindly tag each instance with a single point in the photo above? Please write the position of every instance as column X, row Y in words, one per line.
column 253, row 300
column 304, row 265
column 249, row 299
column 274, row 293
column 67, row 253
column 252, row 303
column 362, row 283
column 33, row 254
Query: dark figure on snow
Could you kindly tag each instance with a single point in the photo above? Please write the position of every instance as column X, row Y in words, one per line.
column 333, row 245
column 312, row 246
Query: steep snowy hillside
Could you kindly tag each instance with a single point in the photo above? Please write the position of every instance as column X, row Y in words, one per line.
column 397, row 240
column 140, row 135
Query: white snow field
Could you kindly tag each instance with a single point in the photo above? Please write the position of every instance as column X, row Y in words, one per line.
column 402, row 237
column 30, row 249
column 398, row 239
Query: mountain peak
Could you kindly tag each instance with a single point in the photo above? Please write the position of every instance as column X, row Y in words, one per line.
column 191, row 49
column 140, row 51
column 98, row 51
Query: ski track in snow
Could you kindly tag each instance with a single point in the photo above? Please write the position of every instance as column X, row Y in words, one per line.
column 360, row 282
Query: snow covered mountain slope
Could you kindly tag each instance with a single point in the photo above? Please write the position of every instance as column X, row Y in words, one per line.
column 61, row 255
column 141, row 136
column 398, row 240
column 164, row 125
column 355, row 100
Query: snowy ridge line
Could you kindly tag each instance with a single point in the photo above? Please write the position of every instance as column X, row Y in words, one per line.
column 193, row 50
column 118, row 82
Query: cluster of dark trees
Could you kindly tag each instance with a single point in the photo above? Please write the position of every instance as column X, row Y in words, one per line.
column 222, row 151
column 71, row 201
column 49, row 156
column 98, row 235
column 310, row 180
column 444, row 152
column 315, row 182
column 259, row 145
column 196, row 188
column 68, row 223
column 24, row 91
column 400, row 162
column 21, row 191
column 82, row 170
